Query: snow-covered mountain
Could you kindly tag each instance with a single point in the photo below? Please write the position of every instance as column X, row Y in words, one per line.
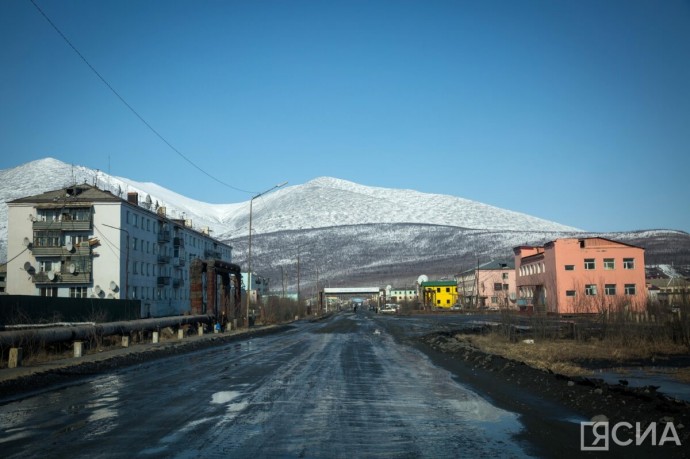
column 342, row 231
column 321, row 203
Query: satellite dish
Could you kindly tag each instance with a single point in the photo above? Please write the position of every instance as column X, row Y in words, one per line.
column 51, row 275
column 27, row 242
column 389, row 287
column 423, row 278
column 69, row 247
column 28, row 267
column 97, row 290
column 113, row 286
column 110, row 296
column 72, row 268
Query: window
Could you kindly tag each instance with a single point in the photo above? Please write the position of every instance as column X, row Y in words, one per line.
column 46, row 266
column 47, row 239
column 570, row 293
column 630, row 289
column 77, row 292
column 628, row 263
column 590, row 264
column 49, row 291
column 570, row 267
column 134, row 244
column 609, row 263
column 590, row 289
column 134, row 293
column 610, row 289
column 498, row 287
column 505, row 287
column 134, row 266
column 494, row 299
column 505, row 276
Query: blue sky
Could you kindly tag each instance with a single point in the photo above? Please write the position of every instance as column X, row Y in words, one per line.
column 573, row 111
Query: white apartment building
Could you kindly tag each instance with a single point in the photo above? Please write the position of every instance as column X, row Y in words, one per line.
column 85, row 242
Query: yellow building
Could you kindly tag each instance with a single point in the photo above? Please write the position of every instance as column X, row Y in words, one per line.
column 439, row 294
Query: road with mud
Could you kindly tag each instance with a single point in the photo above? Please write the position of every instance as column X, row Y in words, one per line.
column 353, row 385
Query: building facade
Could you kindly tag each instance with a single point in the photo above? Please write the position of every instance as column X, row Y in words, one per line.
column 490, row 285
column 401, row 294
column 439, row 294
column 84, row 242
column 580, row 275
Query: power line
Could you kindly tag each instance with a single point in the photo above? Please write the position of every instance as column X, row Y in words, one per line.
column 163, row 139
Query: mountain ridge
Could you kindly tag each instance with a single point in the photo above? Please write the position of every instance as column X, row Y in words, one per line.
column 341, row 230
column 319, row 203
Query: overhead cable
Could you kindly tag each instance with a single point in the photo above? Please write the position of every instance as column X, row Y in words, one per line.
column 146, row 123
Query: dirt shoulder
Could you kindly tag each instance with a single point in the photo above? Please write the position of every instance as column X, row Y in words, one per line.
column 23, row 381
column 543, row 392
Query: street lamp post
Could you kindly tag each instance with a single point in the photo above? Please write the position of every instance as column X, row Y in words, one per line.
column 249, row 251
column 126, row 258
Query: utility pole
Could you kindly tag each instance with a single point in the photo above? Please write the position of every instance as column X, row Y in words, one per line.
column 249, row 251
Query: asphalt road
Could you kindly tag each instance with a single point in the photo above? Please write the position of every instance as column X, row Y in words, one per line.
column 347, row 386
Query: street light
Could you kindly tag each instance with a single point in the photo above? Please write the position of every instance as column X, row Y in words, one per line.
column 126, row 257
column 249, row 254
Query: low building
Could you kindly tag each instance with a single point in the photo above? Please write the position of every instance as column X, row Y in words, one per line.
column 401, row 294
column 84, row 242
column 489, row 285
column 580, row 275
column 439, row 294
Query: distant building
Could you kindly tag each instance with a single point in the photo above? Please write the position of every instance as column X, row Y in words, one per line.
column 83, row 242
column 580, row 275
column 674, row 291
column 401, row 294
column 439, row 294
column 490, row 285
column 258, row 288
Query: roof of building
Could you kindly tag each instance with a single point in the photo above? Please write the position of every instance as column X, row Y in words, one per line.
column 439, row 283
column 74, row 194
column 492, row 265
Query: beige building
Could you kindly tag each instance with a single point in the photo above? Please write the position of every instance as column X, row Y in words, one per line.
column 83, row 242
column 489, row 285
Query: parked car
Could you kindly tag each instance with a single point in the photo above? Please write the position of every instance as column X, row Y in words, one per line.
column 390, row 308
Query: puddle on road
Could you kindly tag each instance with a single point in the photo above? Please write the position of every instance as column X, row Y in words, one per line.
column 647, row 376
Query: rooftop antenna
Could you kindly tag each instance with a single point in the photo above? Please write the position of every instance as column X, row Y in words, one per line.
column 95, row 179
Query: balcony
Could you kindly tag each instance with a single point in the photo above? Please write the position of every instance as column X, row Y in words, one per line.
column 164, row 236
column 60, row 251
column 63, row 277
column 178, row 242
column 179, row 262
column 63, row 225
column 162, row 281
column 163, row 259
column 177, row 283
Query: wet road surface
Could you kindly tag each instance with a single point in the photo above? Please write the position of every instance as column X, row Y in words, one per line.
column 342, row 387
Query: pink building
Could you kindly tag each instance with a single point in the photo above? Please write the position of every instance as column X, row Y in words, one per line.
column 586, row 275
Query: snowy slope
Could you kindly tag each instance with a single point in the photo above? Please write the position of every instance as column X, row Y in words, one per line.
column 321, row 203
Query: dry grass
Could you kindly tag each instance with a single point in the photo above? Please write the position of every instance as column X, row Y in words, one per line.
column 565, row 356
